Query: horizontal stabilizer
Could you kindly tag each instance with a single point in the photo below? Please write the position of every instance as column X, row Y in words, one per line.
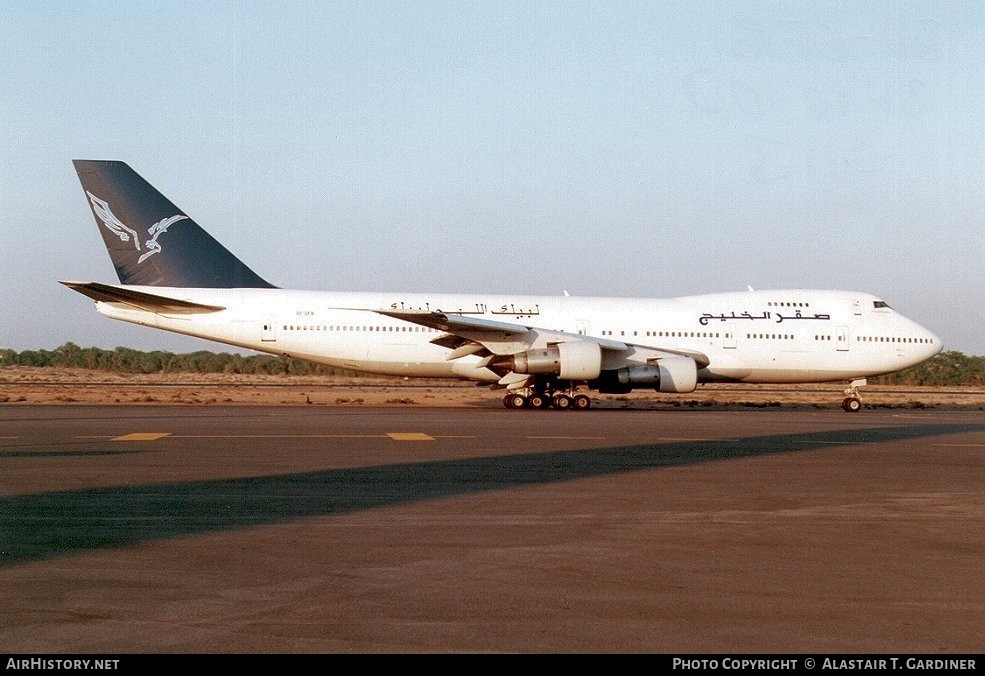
column 140, row 300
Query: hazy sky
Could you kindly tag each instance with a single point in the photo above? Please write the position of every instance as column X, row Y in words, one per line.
column 629, row 149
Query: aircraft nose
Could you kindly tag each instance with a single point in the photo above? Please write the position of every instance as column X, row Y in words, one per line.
column 934, row 344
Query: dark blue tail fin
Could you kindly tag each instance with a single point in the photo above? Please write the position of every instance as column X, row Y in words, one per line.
column 151, row 241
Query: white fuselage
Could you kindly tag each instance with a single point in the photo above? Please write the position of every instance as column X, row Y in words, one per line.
column 784, row 336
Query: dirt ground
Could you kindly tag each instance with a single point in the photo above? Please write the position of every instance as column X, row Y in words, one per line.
column 24, row 384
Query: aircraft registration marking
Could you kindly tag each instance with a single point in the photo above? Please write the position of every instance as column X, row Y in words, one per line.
column 141, row 436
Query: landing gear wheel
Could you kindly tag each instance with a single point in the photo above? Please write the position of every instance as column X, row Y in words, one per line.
column 582, row 402
column 538, row 400
column 853, row 403
column 514, row 401
column 562, row 402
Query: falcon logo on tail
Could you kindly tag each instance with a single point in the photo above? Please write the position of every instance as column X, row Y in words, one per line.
column 126, row 233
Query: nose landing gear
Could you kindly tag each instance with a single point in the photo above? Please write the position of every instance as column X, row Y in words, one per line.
column 853, row 402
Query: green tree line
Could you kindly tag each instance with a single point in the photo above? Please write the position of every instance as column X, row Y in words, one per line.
column 127, row 360
column 947, row 368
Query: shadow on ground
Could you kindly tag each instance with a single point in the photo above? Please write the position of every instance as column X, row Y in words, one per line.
column 50, row 524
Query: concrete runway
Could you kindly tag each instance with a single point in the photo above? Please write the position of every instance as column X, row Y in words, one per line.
column 136, row 529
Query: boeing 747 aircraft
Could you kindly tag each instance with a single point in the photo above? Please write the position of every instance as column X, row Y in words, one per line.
column 543, row 351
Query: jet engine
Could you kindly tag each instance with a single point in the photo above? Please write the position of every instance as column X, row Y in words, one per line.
column 670, row 374
column 568, row 361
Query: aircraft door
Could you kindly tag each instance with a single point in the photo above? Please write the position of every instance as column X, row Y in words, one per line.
column 728, row 336
column 841, row 339
column 268, row 329
column 583, row 327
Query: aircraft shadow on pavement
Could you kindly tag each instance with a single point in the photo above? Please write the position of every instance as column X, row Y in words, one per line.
column 50, row 524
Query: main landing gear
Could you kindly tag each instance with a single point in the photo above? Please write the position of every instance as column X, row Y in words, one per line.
column 547, row 396
column 853, row 402
column 560, row 402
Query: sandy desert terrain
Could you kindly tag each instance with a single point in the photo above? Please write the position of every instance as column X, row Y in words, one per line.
column 23, row 384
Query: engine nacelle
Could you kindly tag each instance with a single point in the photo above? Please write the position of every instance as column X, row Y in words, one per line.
column 670, row 374
column 569, row 361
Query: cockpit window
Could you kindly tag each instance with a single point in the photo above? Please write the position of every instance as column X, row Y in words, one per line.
column 880, row 303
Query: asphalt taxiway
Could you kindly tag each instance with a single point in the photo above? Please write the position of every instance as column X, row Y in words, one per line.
column 127, row 529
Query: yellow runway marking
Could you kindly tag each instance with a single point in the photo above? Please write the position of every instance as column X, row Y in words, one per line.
column 142, row 436
column 397, row 436
column 409, row 436
column 277, row 436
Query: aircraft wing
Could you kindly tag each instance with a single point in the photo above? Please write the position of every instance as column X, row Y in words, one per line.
column 498, row 337
column 139, row 299
column 491, row 340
